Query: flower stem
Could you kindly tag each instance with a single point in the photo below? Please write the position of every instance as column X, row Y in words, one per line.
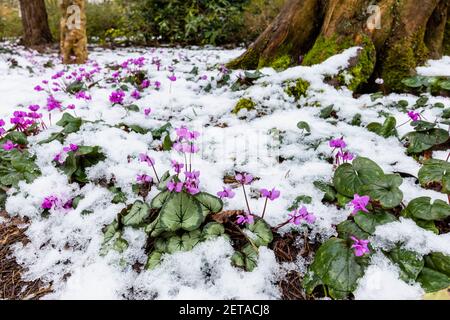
column 156, row 174
column 246, row 199
column 264, row 210
column 281, row 225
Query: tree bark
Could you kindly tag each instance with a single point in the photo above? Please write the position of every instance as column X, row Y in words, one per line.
column 73, row 31
column 35, row 23
column 308, row 32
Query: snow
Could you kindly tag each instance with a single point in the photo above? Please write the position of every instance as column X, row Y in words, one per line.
column 64, row 248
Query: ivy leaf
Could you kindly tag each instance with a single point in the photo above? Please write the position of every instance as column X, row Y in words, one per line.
column 154, row 259
column 335, row 266
column 409, row 262
column 422, row 208
column 385, row 190
column 213, row 230
column 370, row 221
column 435, row 171
column 181, row 211
column 419, row 142
column 212, row 203
column 136, row 215
column 262, row 231
column 432, row 280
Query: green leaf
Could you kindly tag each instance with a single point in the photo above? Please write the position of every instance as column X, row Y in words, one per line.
column 302, row 125
column 213, row 230
column 212, row 203
column 349, row 178
column 336, row 266
column 370, row 221
column 409, row 262
column 385, row 190
column 137, row 215
column 262, row 232
column 160, row 199
column 330, row 192
column 181, row 211
column 248, row 258
column 347, row 229
column 154, row 259
column 433, row 281
column 422, row 208
column 415, row 82
column 69, row 123
column 419, row 142
column 186, row 242
column 326, row 112
column 16, row 137
column 299, row 200
column 342, row 200
column 132, row 107
column 439, row 262
column 386, row 130
column 435, row 172
column 423, row 125
column 167, row 143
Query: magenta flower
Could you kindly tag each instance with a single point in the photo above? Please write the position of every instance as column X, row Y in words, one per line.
column 2, row 122
column 415, row 116
column 360, row 246
column 2, row 131
column 226, row 193
column 345, row 156
column 244, row 178
column 117, row 97
column 177, row 166
column 145, row 84
column 271, row 195
column 72, row 147
column 147, row 112
column 338, row 143
column 175, row 186
column 143, row 178
column 204, row 77
column 9, row 145
column 297, row 216
column 71, row 107
column 49, row 202
column 157, row 84
column 172, row 78
column 38, row 88
column 248, row 218
column 58, row 158
column 53, row 104
column 193, row 135
column 34, row 107
column 83, row 95
column 182, row 132
column 136, row 95
column 360, row 203
column 146, row 158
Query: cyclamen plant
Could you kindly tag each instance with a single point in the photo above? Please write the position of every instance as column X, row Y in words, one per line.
column 342, row 156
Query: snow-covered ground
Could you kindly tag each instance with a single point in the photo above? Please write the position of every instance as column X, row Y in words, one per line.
column 64, row 248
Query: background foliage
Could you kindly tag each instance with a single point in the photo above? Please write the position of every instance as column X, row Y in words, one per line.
column 152, row 22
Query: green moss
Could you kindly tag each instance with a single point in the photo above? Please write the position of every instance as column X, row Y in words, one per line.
column 447, row 39
column 244, row 103
column 297, row 89
column 365, row 65
column 325, row 48
column 280, row 63
column 248, row 61
column 402, row 59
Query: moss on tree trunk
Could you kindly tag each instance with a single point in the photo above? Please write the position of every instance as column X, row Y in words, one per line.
column 310, row 31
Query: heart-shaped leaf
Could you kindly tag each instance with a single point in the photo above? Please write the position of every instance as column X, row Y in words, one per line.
column 137, row 214
column 261, row 233
column 335, row 266
column 247, row 257
column 181, row 211
column 419, row 142
column 348, row 228
column 432, row 280
column 213, row 230
column 185, row 242
column 433, row 172
column 154, row 259
column 212, row 203
column 409, row 262
column 370, row 221
column 439, row 262
column 422, row 208
column 385, row 190
column 160, row 199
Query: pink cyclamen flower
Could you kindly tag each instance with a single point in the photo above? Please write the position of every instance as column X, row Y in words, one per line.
column 146, row 158
column 244, row 178
column 172, row 78
column 415, row 116
column 2, row 122
column 360, row 246
column 175, row 186
column 204, row 77
column 34, row 107
column 360, row 203
column 38, row 88
column 193, row 135
column 226, row 193
column 147, row 112
column 271, row 195
column 71, row 107
column 9, row 145
column 143, row 178
column 53, row 104
column 177, row 166
column 145, row 84
column 297, row 216
column 72, row 147
column 157, row 84
column 345, row 156
column 136, row 95
column 338, row 143
column 49, row 202
column 249, row 219
column 117, row 97
column 182, row 132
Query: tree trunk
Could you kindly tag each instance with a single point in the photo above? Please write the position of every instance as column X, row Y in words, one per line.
column 394, row 35
column 73, row 31
column 35, row 23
